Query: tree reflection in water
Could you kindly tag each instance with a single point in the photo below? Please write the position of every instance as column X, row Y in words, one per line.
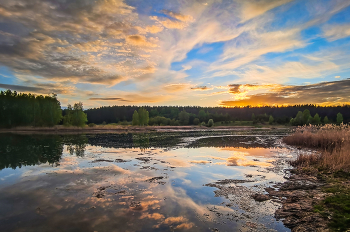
column 23, row 150
column 76, row 144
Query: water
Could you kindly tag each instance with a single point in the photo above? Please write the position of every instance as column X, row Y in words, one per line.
column 141, row 182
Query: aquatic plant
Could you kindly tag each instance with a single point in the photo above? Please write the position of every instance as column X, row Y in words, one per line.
column 332, row 140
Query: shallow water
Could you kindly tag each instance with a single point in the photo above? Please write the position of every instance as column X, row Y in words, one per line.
column 141, row 182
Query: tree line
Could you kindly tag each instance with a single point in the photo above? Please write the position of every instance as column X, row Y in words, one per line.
column 194, row 115
column 21, row 109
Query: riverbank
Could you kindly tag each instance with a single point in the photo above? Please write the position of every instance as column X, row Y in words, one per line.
column 124, row 129
column 316, row 195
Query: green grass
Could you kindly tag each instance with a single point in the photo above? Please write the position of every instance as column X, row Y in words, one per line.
column 336, row 206
column 236, row 123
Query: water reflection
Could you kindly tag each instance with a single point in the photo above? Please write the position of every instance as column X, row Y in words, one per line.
column 76, row 144
column 21, row 150
column 138, row 183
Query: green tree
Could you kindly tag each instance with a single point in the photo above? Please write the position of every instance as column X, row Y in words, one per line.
column 316, row 120
column 143, row 116
column 202, row 115
column 135, row 119
column 292, row 121
column 325, row 120
column 339, row 118
column 298, row 120
column 184, row 117
column 271, row 120
column 196, row 121
column 153, row 113
column 75, row 115
column 210, row 123
column 306, row 116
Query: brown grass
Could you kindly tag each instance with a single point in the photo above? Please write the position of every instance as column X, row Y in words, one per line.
column 332, row 141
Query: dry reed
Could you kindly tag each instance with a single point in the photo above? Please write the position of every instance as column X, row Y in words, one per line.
column 333, row 142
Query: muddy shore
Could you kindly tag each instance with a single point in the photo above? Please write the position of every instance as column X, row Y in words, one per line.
column 298, row 197
column 121, row 129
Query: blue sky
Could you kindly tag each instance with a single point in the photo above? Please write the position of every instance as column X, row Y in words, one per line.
column 206, row 53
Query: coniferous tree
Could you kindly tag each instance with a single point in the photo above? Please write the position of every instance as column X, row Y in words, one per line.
column 339, row 118
column 306, row 117
column 317, row 119
column 325, row 120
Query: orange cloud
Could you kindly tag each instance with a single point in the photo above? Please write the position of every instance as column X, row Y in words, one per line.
column 139, row 40
column 178, row 16
column 324, row 93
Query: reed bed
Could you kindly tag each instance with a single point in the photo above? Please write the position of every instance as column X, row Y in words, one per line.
column 333, row 142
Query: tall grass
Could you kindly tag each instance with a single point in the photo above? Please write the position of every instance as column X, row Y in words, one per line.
column 333, row 142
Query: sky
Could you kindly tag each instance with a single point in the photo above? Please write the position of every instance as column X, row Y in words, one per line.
column 178, row 52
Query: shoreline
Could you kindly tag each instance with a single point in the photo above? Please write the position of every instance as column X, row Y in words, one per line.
column 126, row 129
column 298, row 197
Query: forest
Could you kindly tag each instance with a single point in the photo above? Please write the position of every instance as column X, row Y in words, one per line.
column 194, row 115
column 21, row 109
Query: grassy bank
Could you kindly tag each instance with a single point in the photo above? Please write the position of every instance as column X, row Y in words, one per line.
column 331, row 164
column 60, row 129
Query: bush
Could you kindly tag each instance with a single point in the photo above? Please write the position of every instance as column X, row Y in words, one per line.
column 92, row 124
column 210, row 123
column 124, row 123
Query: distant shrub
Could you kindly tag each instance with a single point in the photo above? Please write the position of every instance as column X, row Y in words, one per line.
column 210, row 123
column 92, row 124
column 124, row 123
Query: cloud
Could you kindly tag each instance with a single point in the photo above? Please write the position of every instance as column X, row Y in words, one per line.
column 250, row 47
column 178, row 16
column 102, row 43
column 201, row 88
column 337, row 77
column 139, row 40
column 234, row 88
column 175, row 87
column 168, row 23
column 335, row 32
column 78, row 41
column 40, row 88
column 107, row 99
column 254, row 8
column 324, row 93
column 186, row 67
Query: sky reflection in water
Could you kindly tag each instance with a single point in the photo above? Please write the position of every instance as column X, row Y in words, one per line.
column 90, row 183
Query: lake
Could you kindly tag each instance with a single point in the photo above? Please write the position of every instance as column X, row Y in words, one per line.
column 169, row 181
